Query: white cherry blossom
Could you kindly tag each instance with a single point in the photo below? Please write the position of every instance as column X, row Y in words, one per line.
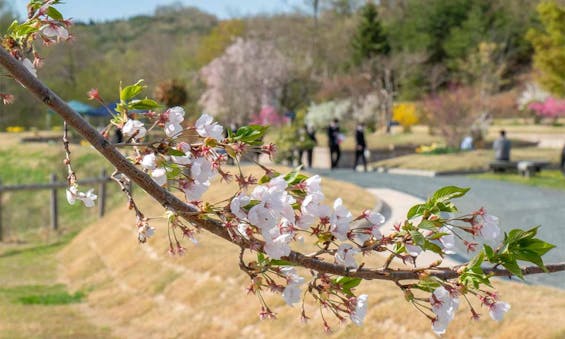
column 444, row 305
column 132, row 127
column 358, row 315
column 183, row 159
column 237, row 204
column 145, row 232
column 194, row 190
column 292, row 293
column 202, row 169
column 490, row 231
column 87, row 198
column 345, row 255
column 447, row 241
column 207, row 128
column 263, row 217
column 149, row 161
column 55, row 32
column 498, row 309
column 340, row 220
column 277, row 245
column 159, row 175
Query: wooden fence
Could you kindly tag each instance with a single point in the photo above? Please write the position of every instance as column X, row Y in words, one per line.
column 55, row 186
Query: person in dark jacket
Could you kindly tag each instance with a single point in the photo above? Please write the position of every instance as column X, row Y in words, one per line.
column 334, row 136
column 501, row 147
column 307, row 139
column 360, row 146
column 563, row 159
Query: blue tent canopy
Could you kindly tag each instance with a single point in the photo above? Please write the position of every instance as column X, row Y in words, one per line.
column 103, row 111
column 80, row 107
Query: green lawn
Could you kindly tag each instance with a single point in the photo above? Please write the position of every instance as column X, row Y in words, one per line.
column 33, row 302
column 548, row 179
column 31, row 163
column 465, row 161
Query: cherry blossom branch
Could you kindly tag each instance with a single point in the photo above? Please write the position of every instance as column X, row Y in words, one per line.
column 71, row 177
column 190, row 213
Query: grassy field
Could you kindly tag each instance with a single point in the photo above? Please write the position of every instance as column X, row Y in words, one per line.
column 139, row 291
column 33, row 300
column 465, row 161
column 549, row 179
column 37, row 302
column 29, row 163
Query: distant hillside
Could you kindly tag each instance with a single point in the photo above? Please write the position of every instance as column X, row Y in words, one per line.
column 154, row 48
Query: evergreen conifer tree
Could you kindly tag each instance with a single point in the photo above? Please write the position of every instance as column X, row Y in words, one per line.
column 370, row 39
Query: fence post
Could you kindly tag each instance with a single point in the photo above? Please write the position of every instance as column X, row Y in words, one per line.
column 1, row 226
column 102, row 194
column 54, row 207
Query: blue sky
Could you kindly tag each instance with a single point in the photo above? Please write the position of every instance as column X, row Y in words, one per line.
column 100, row 10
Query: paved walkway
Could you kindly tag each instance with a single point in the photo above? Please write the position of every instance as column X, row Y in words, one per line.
column 517, row 206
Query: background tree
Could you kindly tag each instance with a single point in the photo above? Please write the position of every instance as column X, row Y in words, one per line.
column 549, row 47
column 248, row 76
column 370, row 40
column 171, row 93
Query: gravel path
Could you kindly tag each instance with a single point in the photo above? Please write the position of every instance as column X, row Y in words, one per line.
column 517, row 206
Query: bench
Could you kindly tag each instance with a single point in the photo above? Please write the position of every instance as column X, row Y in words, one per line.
column 527, row 168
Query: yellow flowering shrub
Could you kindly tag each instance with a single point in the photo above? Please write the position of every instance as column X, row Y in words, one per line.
column 406, row 115
column 15, row 129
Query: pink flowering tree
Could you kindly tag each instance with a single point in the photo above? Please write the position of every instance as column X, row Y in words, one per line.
column 249, row 75
column 269, row 214
column 550, row 108
column 268, row 116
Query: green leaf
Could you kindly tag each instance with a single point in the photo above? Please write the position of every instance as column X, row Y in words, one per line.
column 430, row 246
column 347, row 283
column 261, row 258
column 173, row 172
column 294, row 177
column 54, row 13
column 416, row 211
column 431, row 225
column 449, row 192
column 143, row 104
column 418, row 238
column 130, row 92
column 251, row 133
column 175, row 152
column 428, row 285
column 512, row 266
column 538, row 246
column 489, row 252
column 446, row 207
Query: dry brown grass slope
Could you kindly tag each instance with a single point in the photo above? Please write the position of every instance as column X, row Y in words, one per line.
column 141, row 292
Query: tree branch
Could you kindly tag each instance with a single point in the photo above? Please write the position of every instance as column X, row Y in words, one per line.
column 188, row 212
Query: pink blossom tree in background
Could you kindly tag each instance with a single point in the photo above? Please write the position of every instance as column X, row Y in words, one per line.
column 249, row 75
column 550, row 108
column 268, row 116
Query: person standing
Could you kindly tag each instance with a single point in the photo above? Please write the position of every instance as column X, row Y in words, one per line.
column 563, row 159
column 334, row 137
column 360, row 146
column 501, row 147
column 308, row 141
